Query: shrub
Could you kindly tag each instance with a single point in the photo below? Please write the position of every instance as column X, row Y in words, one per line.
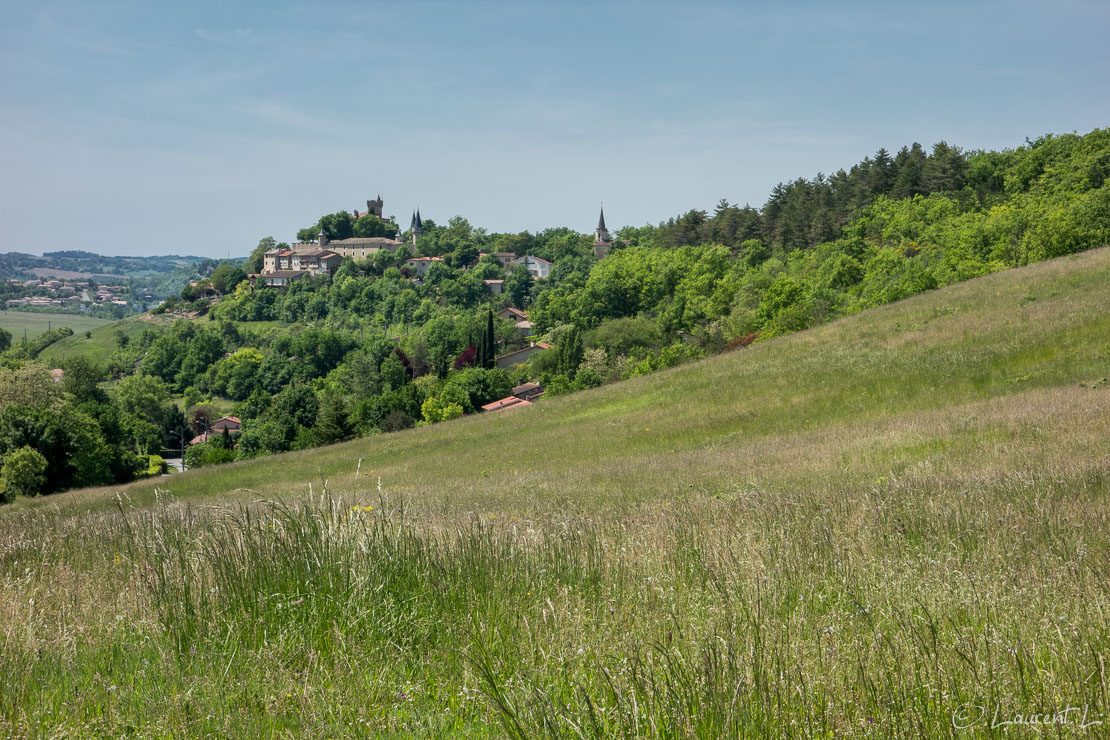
column 396, row 421
column 22, row 473
column 208, row 453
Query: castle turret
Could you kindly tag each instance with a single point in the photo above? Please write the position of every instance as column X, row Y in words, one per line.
column 417, row 226
column 321, row 238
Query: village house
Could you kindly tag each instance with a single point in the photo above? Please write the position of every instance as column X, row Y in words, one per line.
column 512, row 314
column 496, row 287
column 510, row 402
column 232, row 424
column 527, row 391
column 281, row 278
column 519, row 319
column 419, row 266
column 540, row 268
column 521, row 355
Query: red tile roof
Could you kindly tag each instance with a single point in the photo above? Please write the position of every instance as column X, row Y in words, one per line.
column 230, row 422
column 506, row 403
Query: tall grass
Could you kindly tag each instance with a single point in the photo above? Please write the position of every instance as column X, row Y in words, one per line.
column 870, row 612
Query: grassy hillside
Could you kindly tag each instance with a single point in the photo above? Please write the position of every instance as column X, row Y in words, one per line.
column 104, row 339
column 886, row 524
column 34, row 324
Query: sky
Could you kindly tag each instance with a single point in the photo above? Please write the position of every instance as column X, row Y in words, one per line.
column 198, row 128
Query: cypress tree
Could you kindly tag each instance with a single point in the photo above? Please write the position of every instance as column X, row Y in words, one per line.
column 490, row 342
column 570, row 352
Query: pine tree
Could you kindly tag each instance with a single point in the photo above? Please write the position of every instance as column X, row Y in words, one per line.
column 331, row 421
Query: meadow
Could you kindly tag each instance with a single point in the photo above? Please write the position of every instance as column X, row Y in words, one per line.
column 34, row 324
column 103, row 338
column 892, row 525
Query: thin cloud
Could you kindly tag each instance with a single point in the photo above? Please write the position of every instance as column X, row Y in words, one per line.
column 286, row 117
column 234, row 36
column 80, row 40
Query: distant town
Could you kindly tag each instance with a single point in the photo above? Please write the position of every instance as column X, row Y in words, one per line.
column 69, row 293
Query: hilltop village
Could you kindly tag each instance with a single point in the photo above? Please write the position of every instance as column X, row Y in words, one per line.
column 284, row 265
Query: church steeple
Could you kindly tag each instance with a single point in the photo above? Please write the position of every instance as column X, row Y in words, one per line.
column 602, row 233
column 602, row 240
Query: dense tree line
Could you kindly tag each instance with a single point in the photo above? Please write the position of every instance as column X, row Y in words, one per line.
column 804, row 213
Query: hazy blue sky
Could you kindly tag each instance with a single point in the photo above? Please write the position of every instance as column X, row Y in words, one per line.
column 200, row 127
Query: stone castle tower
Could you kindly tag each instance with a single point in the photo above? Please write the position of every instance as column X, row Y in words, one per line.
column 374, row 207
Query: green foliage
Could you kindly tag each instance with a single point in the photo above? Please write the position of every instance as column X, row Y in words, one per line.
column 226, row 277
column 570, row 352
column 332, row 424
column 396, row 421
column 474, row 387
column 370, row 225
column 256, row 259
column 29, row 384
column 204, row 454
column 70, row 440
column 22, row 473
column 30, row 348
column 518, row 287
column 155, row 465
column 81, row 378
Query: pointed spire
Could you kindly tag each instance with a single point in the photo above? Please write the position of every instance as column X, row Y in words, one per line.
column 601, row 221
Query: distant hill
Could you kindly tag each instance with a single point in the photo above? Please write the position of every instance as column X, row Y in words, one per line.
column 87, row 264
